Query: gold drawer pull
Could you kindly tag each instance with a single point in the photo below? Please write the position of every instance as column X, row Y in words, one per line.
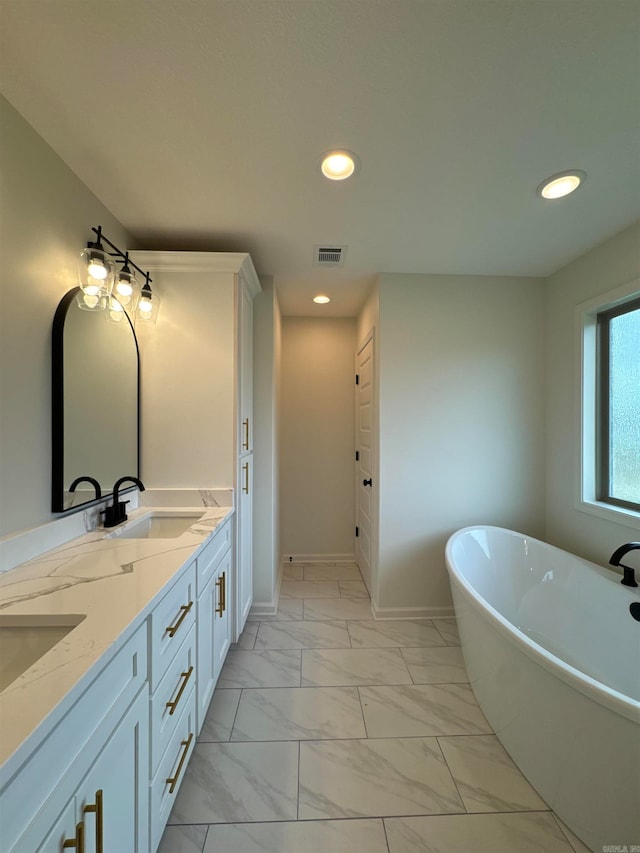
column 221, row 583
column 173, row 705
column 78, row 841
column 220, row 606
column 245, row 443
column 97, row 809
column 173, row 780
column 171, row 630
column 245, row 468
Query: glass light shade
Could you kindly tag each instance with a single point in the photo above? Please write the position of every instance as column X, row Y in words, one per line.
column 116, row 310
column 95, row 272
column 321, row 299
column 126, row 288
column 148, row 305
column 90, row 301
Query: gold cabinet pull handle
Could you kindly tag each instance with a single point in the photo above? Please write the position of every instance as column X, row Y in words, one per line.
column 220, row 605
column 97, row 809
column 245, row 442
column 173, row 780
column 78, row 842
column 185, row 608
column 173, row 705
column 245, row 468
column 221, row 583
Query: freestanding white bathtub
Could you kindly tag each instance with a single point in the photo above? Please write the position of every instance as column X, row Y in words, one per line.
column 553, row 656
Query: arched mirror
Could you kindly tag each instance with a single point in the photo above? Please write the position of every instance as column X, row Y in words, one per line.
column 95, row 402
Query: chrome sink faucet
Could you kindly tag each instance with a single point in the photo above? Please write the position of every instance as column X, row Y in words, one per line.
column 628, row 578
column 115, row 514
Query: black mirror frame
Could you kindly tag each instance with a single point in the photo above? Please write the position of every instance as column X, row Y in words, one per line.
column 57, row 409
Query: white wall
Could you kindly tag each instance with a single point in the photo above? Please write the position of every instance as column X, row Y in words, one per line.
column 46, row 216
column 369, row 315
column 266, row 520
column 317, row 437
column 368, row 325
column 610, row 265
column 188, row 381
column 461, row 422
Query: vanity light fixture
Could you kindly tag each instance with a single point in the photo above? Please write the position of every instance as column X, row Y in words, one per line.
column 149, row 303
column 95, row 274
column 126, row 288
column 339, row 164
column 561, row 184
column 101, row 288
column 321, row 299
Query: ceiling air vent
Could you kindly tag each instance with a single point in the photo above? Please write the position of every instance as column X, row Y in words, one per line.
column 329, row 256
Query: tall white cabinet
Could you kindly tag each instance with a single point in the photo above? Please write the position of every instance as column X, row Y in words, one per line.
column 244, row 474
column 197, row 389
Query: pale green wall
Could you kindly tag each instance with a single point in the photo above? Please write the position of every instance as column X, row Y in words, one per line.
column 461, row 406
column 612, row 264
column 46, row 216
column 317, row 482
column 266, row 367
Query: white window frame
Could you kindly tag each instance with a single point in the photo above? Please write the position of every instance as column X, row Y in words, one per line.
column 587, row 415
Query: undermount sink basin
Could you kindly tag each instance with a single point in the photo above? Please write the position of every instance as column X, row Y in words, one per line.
column 157, row 525
column 25, row 639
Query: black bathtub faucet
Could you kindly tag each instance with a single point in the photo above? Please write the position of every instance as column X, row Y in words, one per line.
column 116, row 513
column 629, row 576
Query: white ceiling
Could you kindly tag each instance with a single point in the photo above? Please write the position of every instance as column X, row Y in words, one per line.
column 200, row 124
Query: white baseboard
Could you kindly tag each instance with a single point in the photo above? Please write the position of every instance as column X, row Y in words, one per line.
column 318, row 558
column 264, row 608
column 412, row 612
column 268, row 608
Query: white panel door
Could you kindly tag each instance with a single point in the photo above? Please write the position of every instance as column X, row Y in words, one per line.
column 244, row 567
column 222, row 622
column 113, row 799
column 364, row 463
column 245, row 371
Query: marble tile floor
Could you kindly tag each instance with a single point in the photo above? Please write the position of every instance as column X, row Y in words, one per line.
column 330, row 732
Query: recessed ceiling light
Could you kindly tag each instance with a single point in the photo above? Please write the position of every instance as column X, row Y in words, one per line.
column 321, row 299
column 339, row 164
column 557, row 186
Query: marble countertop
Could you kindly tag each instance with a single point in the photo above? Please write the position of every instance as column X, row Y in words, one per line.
column 112, row 582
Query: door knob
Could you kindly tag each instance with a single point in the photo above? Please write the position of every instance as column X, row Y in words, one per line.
column 367, row 482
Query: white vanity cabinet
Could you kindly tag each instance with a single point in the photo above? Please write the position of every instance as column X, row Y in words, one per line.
column 112, row 800
column 104, row 775
column 172, row 631
column 244, row 478
column 100, row 745
column 107, row 809
column 197, row 398
column 215, row 582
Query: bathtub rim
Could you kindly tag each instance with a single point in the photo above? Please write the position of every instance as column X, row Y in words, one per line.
column 588, row 686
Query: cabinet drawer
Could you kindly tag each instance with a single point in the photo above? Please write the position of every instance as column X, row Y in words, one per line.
column 173, row 765
column 212, row 554
column 43, row 786
column 170, row 622
column 172, row 696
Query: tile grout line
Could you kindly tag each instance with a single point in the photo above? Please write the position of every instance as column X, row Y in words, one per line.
column 364, row 722
column 453, row 778
column 235, row 716
column 386, row 837
column 298, row 786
